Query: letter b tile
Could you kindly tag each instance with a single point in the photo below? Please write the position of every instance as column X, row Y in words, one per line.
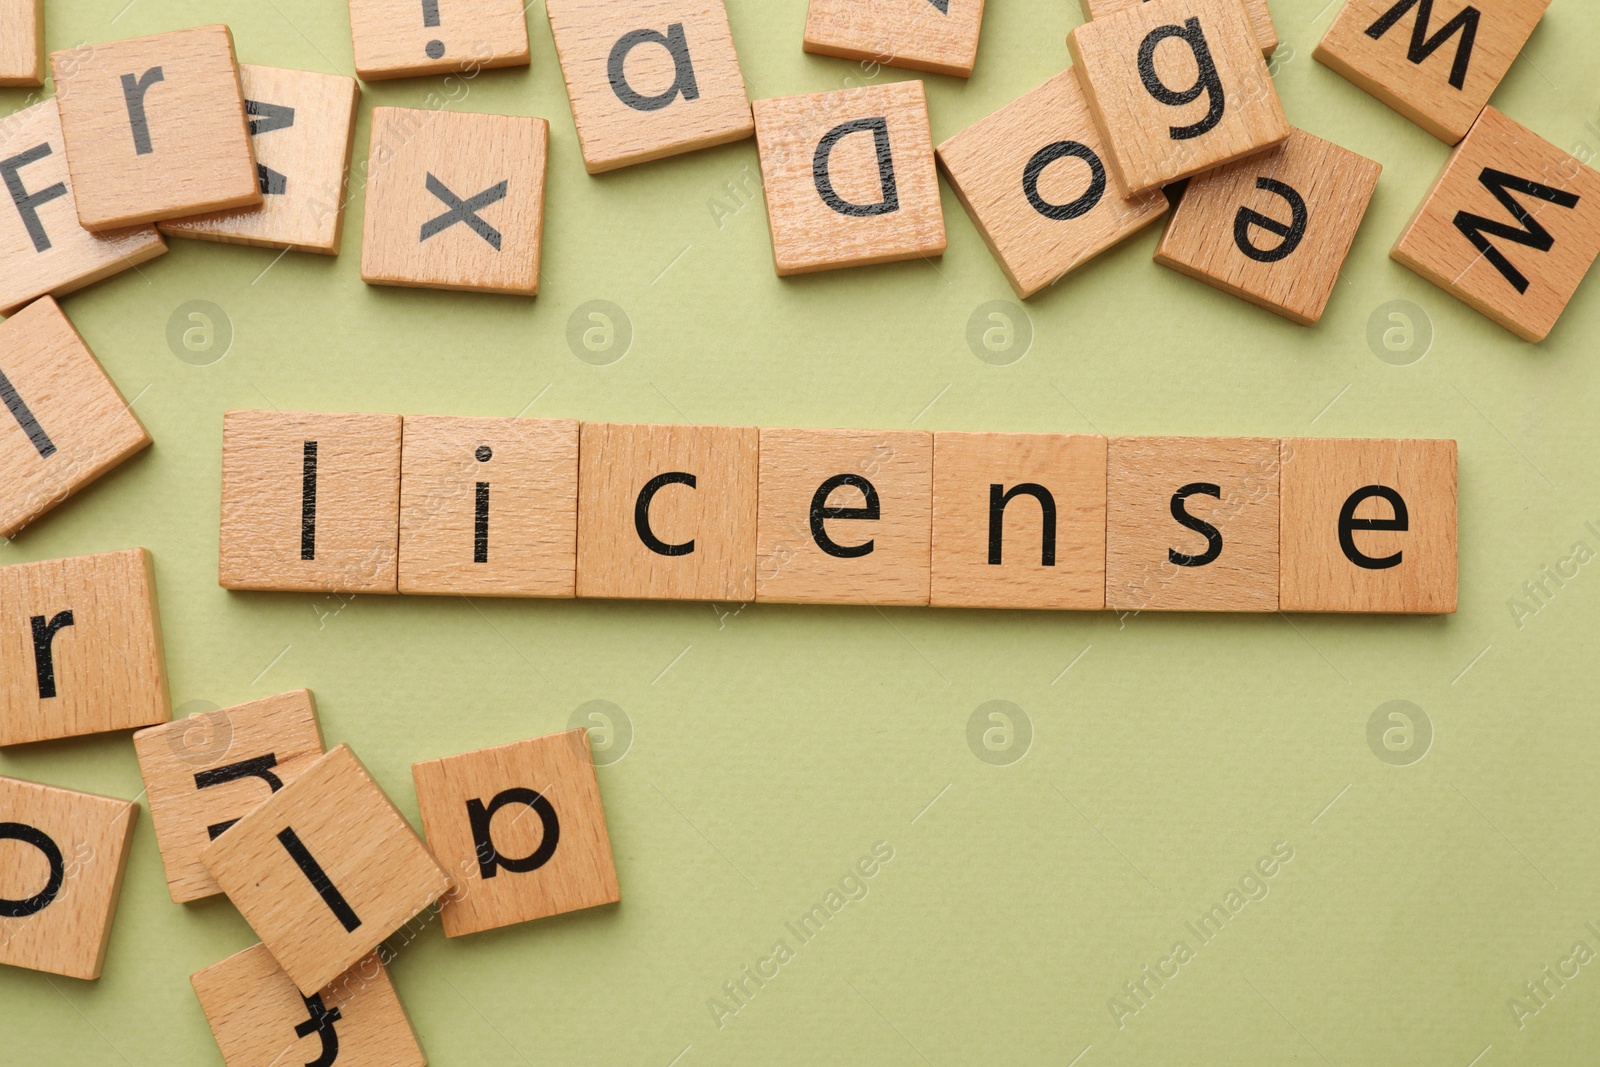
column 649, row 78
column 325, row 869
column 62, row 856
column 849, row 177
column 524, row 825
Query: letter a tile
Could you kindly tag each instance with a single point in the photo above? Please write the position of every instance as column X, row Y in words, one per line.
column 1369, row 526
column 933, row 35
column 260, row 1019
column 203, row 773
column 80, row 648
column 402, row 38
column 1034, row 179
column 1274, row 228
column 65, row 424
column 1436, row 62
column 155, row 127
column 1511, row 227
column 850, row 178
column 455, row 200
column 44, row 249
column 302, row 124
column 1177, row 87
column 325, row 869
column 524, row 825
column 649, row 78
column 62, row 856
column 310, row 501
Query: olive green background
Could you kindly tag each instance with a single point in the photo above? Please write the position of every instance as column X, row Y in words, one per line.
column 771, row 747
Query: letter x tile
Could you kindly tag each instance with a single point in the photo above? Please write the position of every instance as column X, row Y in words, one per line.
column 455, row 201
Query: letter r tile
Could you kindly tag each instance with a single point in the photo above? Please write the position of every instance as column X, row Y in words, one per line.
column 849, row 178
column 455, row 200
column 1511, row 226
column 523, row 825
column 649, row 78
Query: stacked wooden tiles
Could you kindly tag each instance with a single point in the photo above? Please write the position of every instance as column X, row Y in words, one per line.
column 551, row 508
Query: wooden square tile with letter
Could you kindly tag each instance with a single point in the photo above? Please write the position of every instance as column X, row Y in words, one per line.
column 455, row 200
column 325, row 869
column 933, row 35
column 68, row 424
column 155, row 127
column 649, row 78
column 524, row 825
column 62, row 856
column 1177, row 87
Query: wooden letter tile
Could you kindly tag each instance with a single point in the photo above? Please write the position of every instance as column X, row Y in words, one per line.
column 845, row 517
column 65, row 424
column 1369, row 525
column 489, row 507
column 1177, row 87
column 455, row 200
column 1274, row 228
column 934, row 35
column 21, row 42
column 400, row 39
column 260, row 1019
column 80, row 647
column 1510, row 228
column 155, row 127
column 1192, row 524
column 1034, row 179
column 1019, row 521
column 850, row 178
column 310, row 501
column 1437, row 63
column 524, row 825
column 43, row 247
column 325, row 869
column 649, row 78
column 1260, row 18
column 203, row 773
column 62, row 855
column 667, row 512
column 302, row 125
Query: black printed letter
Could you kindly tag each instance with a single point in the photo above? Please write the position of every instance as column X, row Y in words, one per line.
column 683, row 80
column 1478, row 229
column 1292, row 232
column 879, row 127
column 30, row 835
column 481, row 815
column 999, row 497
column 1348, row 522
column 641, row 514
column 1200, row 526
column 133, row 90
column 28, row 204
column 820, row 512
column 1208, row 81
column 1422, row 46
column 44, row 656
column 1048, row 155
